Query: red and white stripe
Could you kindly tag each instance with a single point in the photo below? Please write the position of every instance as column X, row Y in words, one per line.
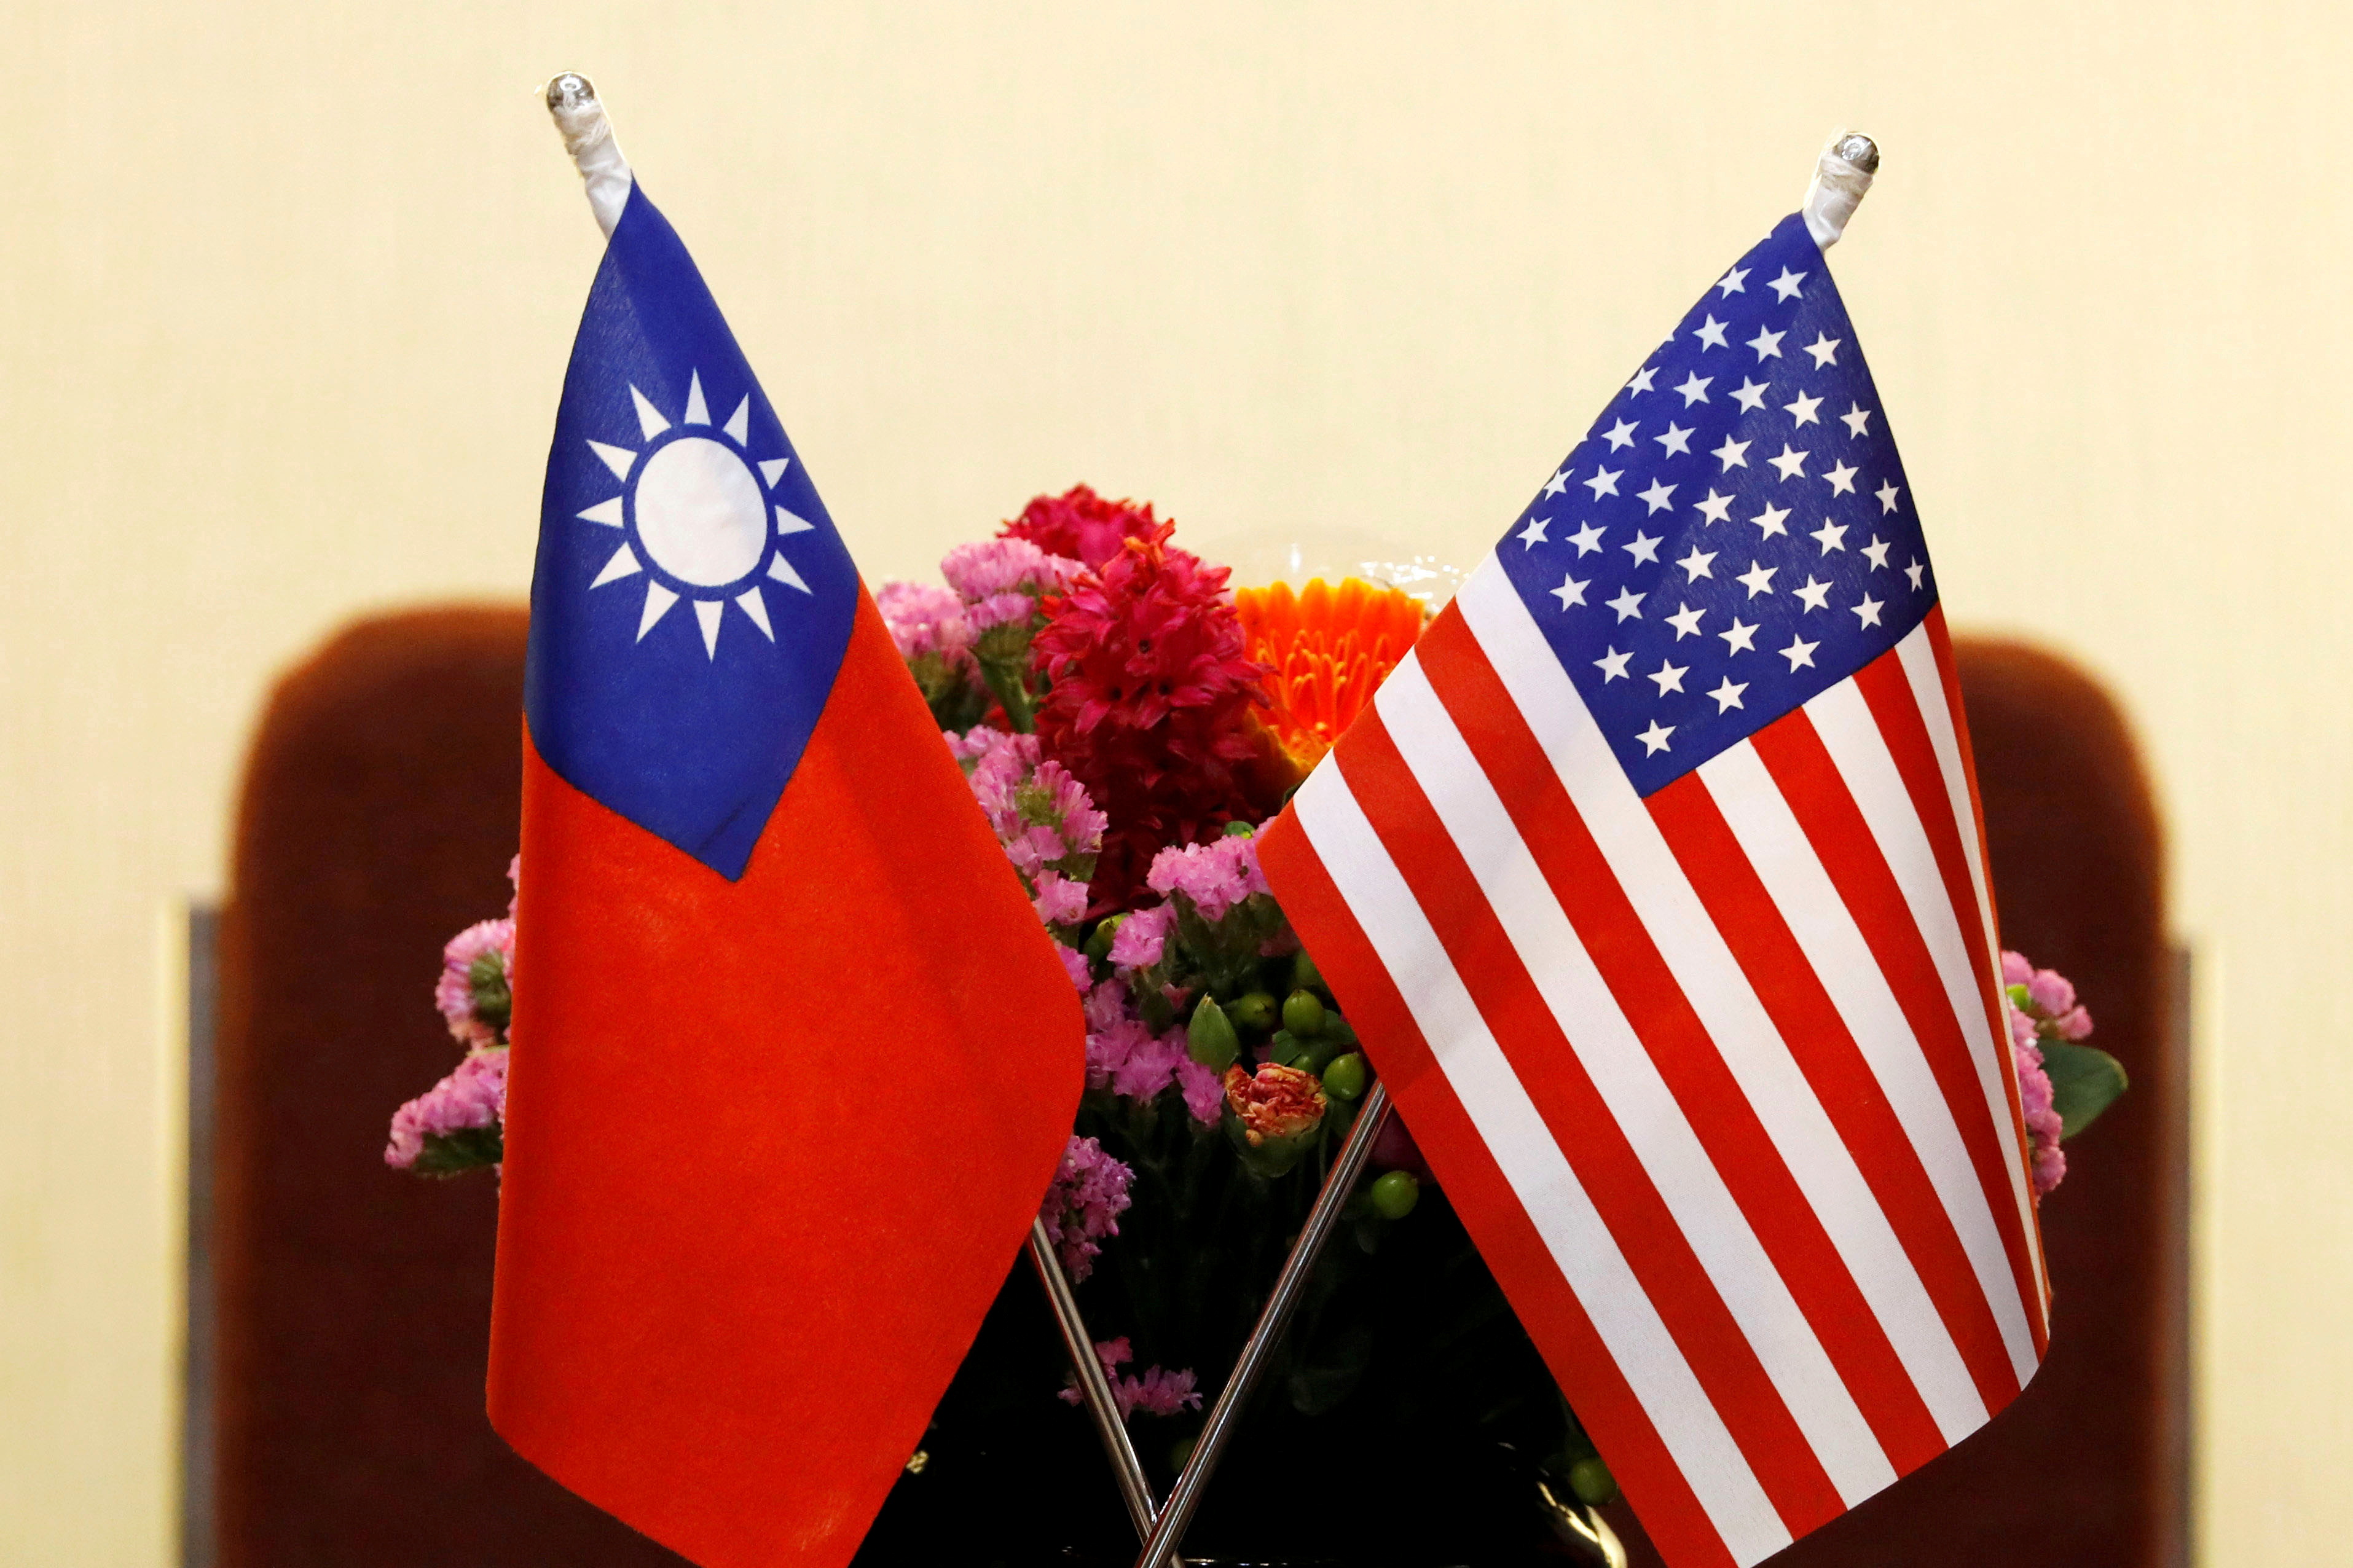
column 1718, row 1079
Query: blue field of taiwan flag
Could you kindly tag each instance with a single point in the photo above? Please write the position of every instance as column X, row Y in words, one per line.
column 764, row 935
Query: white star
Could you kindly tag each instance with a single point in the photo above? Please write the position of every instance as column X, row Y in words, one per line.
column 1758, row 578
column 1571, row 591
column 1731, row 282
column 1817, row 595
column 1695, row 564
column 1856, row 417
column 1766, row 344
column 1654, row 738
column 1612, row 666
column 1710, row 334
column 1802, row 410
column 1877, row 550
column 1715, row 508
column 1557, row 483
column 1657, row 496
column 1786, row 284
column 1770, row 520
column 1620, row 434
column 1627, row 603
column 1824, row 348
column 1732, row 455
column 1604, row 482
column 1727, row 696
column 1677, row 440
column 1842, row 480
column 1800, row 652
column 1741, row 638
column 1887, row 494
column 1695, row 388
column 1792, row 464
column 1686, row 622
column 1867, row 612
column 1641, row 382
column 1831, row 534
column 1643, row 549
column 1587, row 539
column 1669, row 677
column 1751, row 395
column 1534, row 534
column 1914, row 572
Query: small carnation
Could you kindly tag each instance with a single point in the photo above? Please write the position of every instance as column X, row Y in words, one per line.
column 1075, row 964
column 1089, row 1194
column 1275, row 1101
column 1060, row 901
column 1215, row 876
column 923, row 619
column 1001, row 610
column 1150, row 1064
column 1142, row 939
column 2050, row 1012
column 473, row 1098
column 982, row 571
column 1203, row 1088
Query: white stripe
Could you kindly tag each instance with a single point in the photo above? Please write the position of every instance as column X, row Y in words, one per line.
column 1644, row 1107
column 1785, row 861
column 1711, row 981
column 1919, row 660
column 1539, row 1174
column 1844, row 719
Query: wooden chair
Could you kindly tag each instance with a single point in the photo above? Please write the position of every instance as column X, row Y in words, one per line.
column 377, row 815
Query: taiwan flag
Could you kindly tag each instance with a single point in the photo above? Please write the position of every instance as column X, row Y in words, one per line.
column 794, row 1062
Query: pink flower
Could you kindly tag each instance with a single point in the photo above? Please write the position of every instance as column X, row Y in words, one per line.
column 1274, row 1102
column 1083, row 1205
column 473, row 990
column 1081, row 972
column 1041, row 814
column 1000, row 610
column 1060, row 901
column 924, row 620
column 982, row 571
column 1203, row 1088
column 475, row 1096
column 1158, row 1392
column 1215, row 876
column 2050, row 1012
column 1150, row 1064
column 1080, row 524
column 1141, row 938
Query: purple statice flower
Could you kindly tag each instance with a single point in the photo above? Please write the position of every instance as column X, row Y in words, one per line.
column 1157, row 1392
column 1214, row 877
column 1142, row 939
column 1000, row 610
column 1081, row 972
column 1150, row 1063
column 1083, row 1205
column 475, row 1096
column 924, row 620
column 1060, row 901
column 990, row 567
column 1041, row 814
column 514, row 880
column 476, row 970
column 2049, row 1012
column 1204, row 1089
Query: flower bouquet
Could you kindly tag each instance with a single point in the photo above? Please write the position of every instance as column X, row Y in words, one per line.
column 1126, row 721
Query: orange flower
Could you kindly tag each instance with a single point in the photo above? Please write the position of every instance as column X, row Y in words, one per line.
column 1330, row 649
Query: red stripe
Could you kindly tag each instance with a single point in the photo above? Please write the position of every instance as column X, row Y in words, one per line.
column 1940, row 643
column 1801, row 767
column 1584, row 1126
column 1507, row 1241
column 1771, row 1199
column 1817, row 1036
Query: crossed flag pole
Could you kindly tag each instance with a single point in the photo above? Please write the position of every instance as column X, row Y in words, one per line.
column 1843, row 172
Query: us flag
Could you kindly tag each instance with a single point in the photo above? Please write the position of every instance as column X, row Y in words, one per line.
column 1654, row 883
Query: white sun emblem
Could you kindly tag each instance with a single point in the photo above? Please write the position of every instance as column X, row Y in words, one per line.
column 699, row 516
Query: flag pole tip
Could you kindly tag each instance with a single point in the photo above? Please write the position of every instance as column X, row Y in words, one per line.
column 1842, row 174
column 579, row 116
column 569, row 89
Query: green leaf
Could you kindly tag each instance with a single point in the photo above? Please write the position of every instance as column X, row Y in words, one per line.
column 2085, row 1081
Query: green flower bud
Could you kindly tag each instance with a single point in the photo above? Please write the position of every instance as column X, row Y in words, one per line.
column 1315, row 1055
column 1254, row 1012
column 1302, row 1014
column 1589, row 1478
column 1339, row 1031
column 1239, row 831
column 1099, row 943
column 1210, row 1037
column 1304, row 975
column 1284, row 1048
column 1346, row 1077
column 1394, row 1194
column 2020, row 998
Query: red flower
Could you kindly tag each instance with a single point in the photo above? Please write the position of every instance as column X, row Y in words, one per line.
column 1080, row 525
column 1152, row 704
column 1275, row 1102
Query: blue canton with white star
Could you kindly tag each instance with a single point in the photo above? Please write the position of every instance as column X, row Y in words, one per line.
column 1735, row 534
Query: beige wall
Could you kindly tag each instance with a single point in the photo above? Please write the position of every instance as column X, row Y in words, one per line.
column 289, row 288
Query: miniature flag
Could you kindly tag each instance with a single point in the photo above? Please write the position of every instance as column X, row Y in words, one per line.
column 1654, row 883
column 794, row 1059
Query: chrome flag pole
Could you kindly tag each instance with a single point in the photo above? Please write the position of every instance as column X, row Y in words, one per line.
column 1094, row 1385
column 1185, row 1497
